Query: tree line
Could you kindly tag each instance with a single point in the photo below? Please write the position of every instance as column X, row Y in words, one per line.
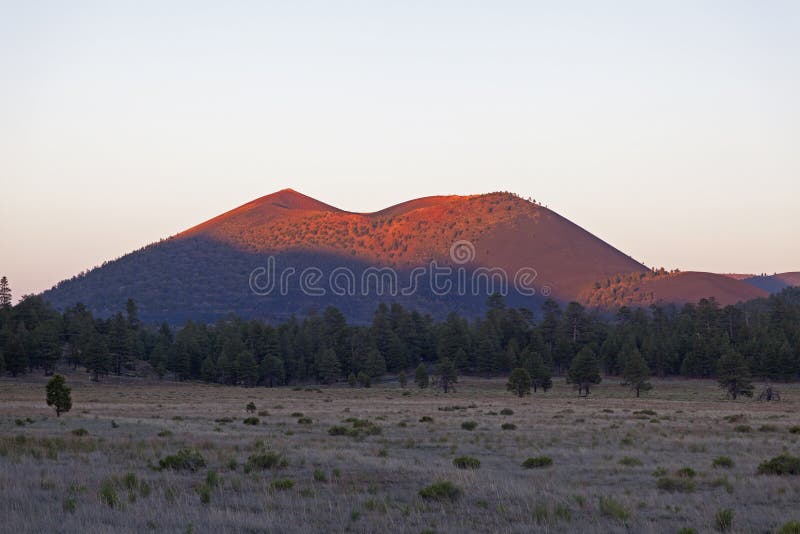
column 689, row 340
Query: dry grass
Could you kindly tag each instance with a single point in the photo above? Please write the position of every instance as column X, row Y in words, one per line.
column 54, row 480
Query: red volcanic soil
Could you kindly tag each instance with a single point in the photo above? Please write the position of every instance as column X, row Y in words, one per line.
column 679, row 287
column 507, row 232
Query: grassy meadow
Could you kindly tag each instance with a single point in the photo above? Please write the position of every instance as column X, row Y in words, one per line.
column 341, row 459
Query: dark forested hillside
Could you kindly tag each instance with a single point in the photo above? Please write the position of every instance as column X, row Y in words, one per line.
column 686, row 340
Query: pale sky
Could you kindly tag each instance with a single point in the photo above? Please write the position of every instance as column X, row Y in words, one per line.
column 669, row 129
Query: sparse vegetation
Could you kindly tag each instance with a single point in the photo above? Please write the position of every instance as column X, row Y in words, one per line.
column 784, row 464
column 441, row 491
column 467, row 462
column 537, row 462
column 183, row 460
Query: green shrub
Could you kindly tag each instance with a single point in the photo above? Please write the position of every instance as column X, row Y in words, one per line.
column 687, row 530
column 338, row 430
column 165, row 434
column 183, row 460
column 672, row 484
column 251, row 421
column 538, row 461
column 426, row 419
column 204, row 491
column 212, row 479
column 69, row 505
column 785, row 464
column 506, row 411
column 319, row 475
column 724, row 462
column 768, row 428
column 80, row 432
column 262, row 461
column 612, row 508
column 304, row 421
column 794, row 430
column 723, row 521
column 562, row 512
column 297, row 414
column 630, row 461
column 686, row 472
column 508, row 426
column 743, row 428
column 282, row 484
column 108, row 494
column 443, row 490
column 469, row 425
column 467, row 462
column 130, row 481
column 792, row 527
column 251, row 407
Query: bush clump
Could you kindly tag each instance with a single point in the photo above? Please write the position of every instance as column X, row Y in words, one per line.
column 674, row 484
column 785, row 464
column 469, row 425
column 630, row 461
column 612, row 508
column 443, row 490
column 723, row 521
column 426, row 419
column 251, row 421
column 724, row 462
column 506, row 411
column 80, row 432
column 467, row 462
column 537, row 461
column 508, row 426
column 262, row 461
column 183, row 460
column 792, row 527
column 282, row 484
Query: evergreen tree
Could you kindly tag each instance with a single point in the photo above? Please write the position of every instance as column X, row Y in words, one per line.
column 421, row 376
column 403, row 379
column 5, row 294
column 375, row 366
column 273, row 372
column 98, row 360
column 58, row 395
column 328, row 370
column 247, row 368
column 208, row 370
column 540, row 373
column 352, row 380
column 584, row 371
column 519, row 383
column 448, row 376
column 733, row 375
column 364, row 379
column 636, row 372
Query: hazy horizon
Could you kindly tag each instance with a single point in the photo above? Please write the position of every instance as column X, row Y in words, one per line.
column 669, row 131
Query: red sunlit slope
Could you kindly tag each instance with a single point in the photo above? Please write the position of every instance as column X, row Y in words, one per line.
column 507, row 232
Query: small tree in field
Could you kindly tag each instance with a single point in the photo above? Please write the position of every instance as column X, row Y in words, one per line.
column 584, row 371
column 447, row 374
column 636, row 372
column 403, row 378
column 733, row 375
column 540, row 374
column 421, row 376
column 519, row 383
column 59, row 395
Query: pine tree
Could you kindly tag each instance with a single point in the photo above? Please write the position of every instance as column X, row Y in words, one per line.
column 98, row 360
column 328, row 368
column 421, row 376
column 273, row 372
column 447, row 374
column 5, row 293
column 375, row 366
column 519, row 383
column 247, row 368
column 208, row 370
column 540, row 373
column 58, row 395
column 636, row 373
column 584, row 371
column 733, row 375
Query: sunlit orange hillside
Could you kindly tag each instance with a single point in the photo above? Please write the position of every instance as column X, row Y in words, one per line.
column 507, row 231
